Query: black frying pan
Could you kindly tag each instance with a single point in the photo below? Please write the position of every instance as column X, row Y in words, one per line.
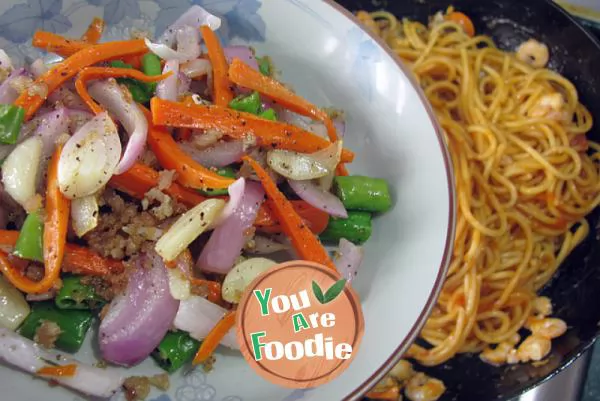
column 575, row 290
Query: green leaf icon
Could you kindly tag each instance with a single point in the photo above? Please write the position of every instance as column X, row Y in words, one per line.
column 334, row 291
column 318, row 292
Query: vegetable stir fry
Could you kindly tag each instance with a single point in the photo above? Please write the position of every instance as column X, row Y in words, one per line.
column 145, row 184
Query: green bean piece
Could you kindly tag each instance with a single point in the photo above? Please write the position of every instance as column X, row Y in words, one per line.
column 264, row 65
column 269, row 114
column 75, row 295
column 11, row 119
column 356, row 228
column 363, row 193
column 250, row 103
column 29, row 242
column 175, row 349
column 151, row 67
column 228, row 172
column 74, row 324
column 141, row 92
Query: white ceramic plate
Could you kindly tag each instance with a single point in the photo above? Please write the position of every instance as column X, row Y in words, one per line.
column 333, row 62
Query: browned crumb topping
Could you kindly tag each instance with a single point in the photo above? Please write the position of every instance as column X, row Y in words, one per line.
column 47, row 334
column 160, row 381
column 137, row 388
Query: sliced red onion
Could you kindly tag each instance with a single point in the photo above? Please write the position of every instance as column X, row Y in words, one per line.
column 348, row 259
column 67, row 98
column 44, row 296
column 188, row 46
column 197, row 68
column 28, row 356
column 111, row 96
column 236, row 193
column 228, row 239
column 78, row 118
column 183, row 84
column 7, row 93
column 219, row 155
column 139, row 319
column 194, row 17
column 198, row 316
column 244, row 53
column 340, row 127
column 322, row 200
column 51, row 126
column 167, row 88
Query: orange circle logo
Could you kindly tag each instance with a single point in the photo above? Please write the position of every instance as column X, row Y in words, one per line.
column 299, row 324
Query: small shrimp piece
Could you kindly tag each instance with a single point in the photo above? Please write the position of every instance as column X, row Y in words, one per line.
column 548, row 327
column 551, row 106
column 496, row 356
column 402, row 371
column 423, row 388
column 542, row 306
column 384, row 384
column 533, row 53
column 534, row 348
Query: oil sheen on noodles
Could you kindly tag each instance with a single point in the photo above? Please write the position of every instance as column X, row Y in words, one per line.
column 526, row 177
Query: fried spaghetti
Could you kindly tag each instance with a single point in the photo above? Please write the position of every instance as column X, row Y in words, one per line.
column 526, row 177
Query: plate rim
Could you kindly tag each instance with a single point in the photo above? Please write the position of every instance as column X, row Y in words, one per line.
column 358, row 392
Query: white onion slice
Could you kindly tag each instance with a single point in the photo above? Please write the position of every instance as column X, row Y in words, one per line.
column 188, row 227
column 84, row 214
column 348, row 259
column 265, row 246
column 20, row 170
column 111, row 96
column 220, row 154
column 241, row 276
column 188, row 46
column 89, row 158
column 197, row 68
column 37, row 68
column 319, row 198
column 179, row 284
column 26, row 355
column 198, row 316
column 303, row 166
column 195, row 17
column 167, row 88
column 5, row 61
column 14, row 307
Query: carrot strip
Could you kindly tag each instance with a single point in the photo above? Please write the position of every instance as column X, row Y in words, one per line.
column 214, row 289
column 58, row 44
column 183, row 134
column 78, row 260
column 189, row 172
column 316, row 219
column 304, row 241
column 388, row 395
column 462, row 20
column 94, row 31
column 212, row 340
column 90, row 73
column 140, row 179
column 269, row 134
column 58, row 371
column 221, row 85
column 242, row 74
column 67, row 69
column 54, row 240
